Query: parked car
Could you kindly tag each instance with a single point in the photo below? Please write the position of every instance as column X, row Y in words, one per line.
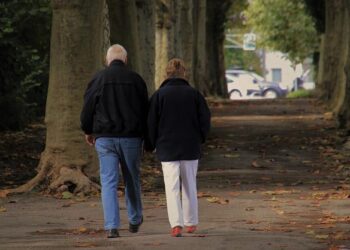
column 245, row 84
column 305, row 81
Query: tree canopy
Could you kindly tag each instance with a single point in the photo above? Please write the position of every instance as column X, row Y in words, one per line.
column 284, row 26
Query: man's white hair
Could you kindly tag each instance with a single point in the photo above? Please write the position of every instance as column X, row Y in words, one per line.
column 116, row 52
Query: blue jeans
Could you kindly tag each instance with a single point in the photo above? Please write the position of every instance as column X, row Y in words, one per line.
column 126, row 152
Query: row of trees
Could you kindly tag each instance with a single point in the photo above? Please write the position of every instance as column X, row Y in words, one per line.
column 334, row 63
column 301, row 27
column 153, row 31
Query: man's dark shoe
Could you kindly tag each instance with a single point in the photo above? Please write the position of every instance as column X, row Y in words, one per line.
column 134, row 228
column 113, row 233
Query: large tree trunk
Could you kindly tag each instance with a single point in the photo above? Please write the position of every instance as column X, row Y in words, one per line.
column 334, row 44
column 194, row 31
column 164, row 38
column 184, row 32
column 215, row 36
column 146, row 31
column 174, row 36
column 344, row 102
column 77, row 47
column 199, row 61
column 124, row 29
column 132, row 25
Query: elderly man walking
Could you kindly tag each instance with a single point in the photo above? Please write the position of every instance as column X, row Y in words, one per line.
column 114, row 120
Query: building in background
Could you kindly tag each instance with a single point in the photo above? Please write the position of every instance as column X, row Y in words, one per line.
column 281, row 70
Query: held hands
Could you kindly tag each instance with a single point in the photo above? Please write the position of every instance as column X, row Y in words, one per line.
column 90, row 139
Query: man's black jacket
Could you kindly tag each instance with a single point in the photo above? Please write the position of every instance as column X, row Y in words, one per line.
column 115, row 103
column 178, row 121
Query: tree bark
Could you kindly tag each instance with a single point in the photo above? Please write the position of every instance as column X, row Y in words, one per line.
column 331, row 82
column 199, row 61
column 174, row 36
column 77, row 47
column 164, row 38
column 215, row 35
column 194, row 31
column 344, row 102
column 124, row 29
column 183, row 34
column 146, row 31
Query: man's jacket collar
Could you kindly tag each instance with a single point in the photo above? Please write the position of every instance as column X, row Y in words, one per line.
column 174, row 81
column 117, row 62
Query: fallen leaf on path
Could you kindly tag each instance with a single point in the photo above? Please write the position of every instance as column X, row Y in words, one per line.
column 154, row 244
column 331, row 219
column 320, row 195
column 2, row 209
column 255, row 164
column 321, row 236
column 253, row 222
column 339, row 248
column 231, row 155
column 343, row 187
column 316, row 172
column 249, row 209
column 328, row 116
column 234, row 194
column 280, row 212
column 333, row 195
column 85, row 244
column 281, row 192
column 273, row 198
column 276, row 138
column 151, row 194
column 218, row 200
column 81, row 199
column 223, row 201
column 67, row 195
column 4, row 193
column 310, row 232
column 297, row 183
column 82, row 229
column 339, row 168
column 67, row 205
column 341, row 236
column 203, row 194
column 306, row 162
column 198, row 235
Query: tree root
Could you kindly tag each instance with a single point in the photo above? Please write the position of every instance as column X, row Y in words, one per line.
column 74, row 176
column 44, row 167
column 57, row 176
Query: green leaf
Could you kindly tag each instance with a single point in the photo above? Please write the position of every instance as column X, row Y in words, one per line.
column 67, row 195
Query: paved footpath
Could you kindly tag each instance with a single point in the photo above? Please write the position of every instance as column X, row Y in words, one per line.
column 271, row 177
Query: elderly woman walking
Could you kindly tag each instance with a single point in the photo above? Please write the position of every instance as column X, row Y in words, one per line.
column 178, row 122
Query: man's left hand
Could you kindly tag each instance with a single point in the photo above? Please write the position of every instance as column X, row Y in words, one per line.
column 90, row 139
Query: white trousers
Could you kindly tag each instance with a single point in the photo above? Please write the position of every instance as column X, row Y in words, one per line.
column 185, row 212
